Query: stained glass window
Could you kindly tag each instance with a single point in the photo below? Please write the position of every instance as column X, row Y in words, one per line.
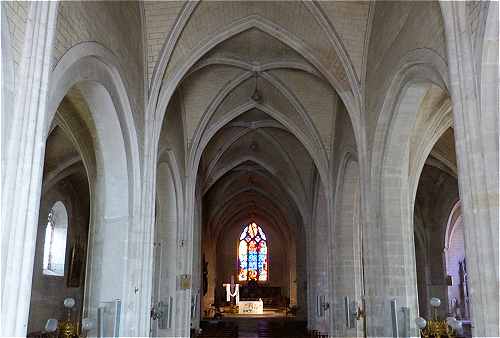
column 252, row 254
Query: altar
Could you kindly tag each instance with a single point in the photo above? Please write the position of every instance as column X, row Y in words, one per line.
column 253, row 307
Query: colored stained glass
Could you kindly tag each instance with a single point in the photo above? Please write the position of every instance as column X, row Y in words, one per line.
column 242, row 250
column 252, row 254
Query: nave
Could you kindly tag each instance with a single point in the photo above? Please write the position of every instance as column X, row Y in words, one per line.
column 319, row 168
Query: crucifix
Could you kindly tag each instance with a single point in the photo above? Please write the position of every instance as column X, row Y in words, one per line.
column 232, row 290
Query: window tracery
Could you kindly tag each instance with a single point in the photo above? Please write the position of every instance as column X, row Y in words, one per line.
column 252, row 254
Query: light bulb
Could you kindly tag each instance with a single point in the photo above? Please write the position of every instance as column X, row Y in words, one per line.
column 435, row 302
column 421, row 322
column 450, row 321
column 69, row 302
column 51, row 325
column 88, row 324
column 457, row 325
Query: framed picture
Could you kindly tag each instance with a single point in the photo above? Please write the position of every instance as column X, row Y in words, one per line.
column 76, row 266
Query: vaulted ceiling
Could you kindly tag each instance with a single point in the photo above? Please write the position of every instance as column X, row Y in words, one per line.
column 259, row 87
column 261, row 118
column 334, row 32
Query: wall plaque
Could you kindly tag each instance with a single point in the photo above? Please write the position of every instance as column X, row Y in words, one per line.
column 185, row 282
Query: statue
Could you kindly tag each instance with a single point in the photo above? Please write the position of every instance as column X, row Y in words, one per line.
column 205, row 276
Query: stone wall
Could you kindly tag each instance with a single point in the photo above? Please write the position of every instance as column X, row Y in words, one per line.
column 160, row 19
column 398, row 28
column 48, row 292
column 227, row 258
column 17, row 15
column 116, row 26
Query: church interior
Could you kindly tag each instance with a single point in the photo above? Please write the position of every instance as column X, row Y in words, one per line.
column 223, row 169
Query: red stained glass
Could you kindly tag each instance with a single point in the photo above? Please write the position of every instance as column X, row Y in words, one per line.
column 252, row 254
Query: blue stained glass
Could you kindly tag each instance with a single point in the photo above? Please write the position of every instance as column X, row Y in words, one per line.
column 252, row 261
column 252, row 254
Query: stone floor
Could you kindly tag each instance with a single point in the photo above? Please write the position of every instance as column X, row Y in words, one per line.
column 255, row 328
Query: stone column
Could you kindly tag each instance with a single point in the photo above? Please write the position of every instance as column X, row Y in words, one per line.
column 476, row 137
column 22, row 176
column 196, row 287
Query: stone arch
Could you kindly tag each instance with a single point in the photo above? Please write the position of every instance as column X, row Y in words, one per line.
column 295, row 197
column 90, row 69
column 454, row 213
column 285, row 64
column 160, row 101
column 91, row 62
column 254, row 21
column 165, row 240
column 440, row 122
column 257, row 21
column 391, row 181
column 418, row 66
column 273, row 215
column 224, row 148
column 399, row 109
column 454, row 249
column 339, row 46
column 169, row 157
column 79, row 134
column 203, row 137
column 347, row 271
column 309, row 137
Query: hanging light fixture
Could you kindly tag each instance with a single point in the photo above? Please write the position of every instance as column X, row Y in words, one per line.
column 256, row 93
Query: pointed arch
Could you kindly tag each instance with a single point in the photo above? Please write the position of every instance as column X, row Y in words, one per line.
column 252, row 254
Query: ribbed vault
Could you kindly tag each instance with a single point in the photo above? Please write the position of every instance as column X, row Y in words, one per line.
column 258, row 121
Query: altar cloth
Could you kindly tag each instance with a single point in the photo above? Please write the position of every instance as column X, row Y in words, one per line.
column 251, row 307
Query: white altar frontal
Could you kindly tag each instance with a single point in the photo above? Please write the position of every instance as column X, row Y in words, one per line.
column 251, row 307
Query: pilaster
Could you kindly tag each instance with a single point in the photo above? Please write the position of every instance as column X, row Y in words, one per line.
column 22, row 177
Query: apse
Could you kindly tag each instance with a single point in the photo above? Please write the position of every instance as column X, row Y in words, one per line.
column 252, row 225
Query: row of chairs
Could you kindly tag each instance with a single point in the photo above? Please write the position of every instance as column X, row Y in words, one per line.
column 317, row 334
column 269, row 329
column 219, row 330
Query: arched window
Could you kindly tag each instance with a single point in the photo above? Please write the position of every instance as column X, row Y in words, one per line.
column 456, row 267
column 252, row 254
column 54, row 248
